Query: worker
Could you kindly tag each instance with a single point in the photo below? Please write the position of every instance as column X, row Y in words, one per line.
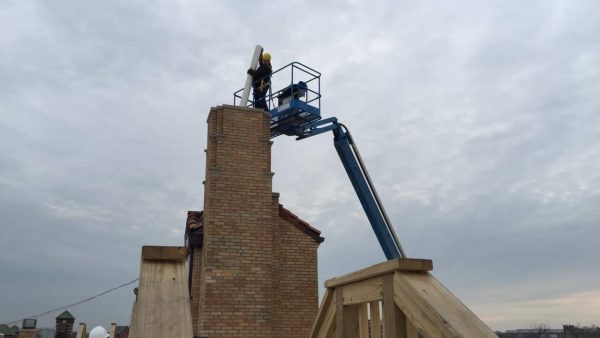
column 261, row 81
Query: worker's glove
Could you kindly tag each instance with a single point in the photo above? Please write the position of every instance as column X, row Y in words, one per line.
column 249, row 71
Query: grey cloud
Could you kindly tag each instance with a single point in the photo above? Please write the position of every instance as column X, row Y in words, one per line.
column 478, row 123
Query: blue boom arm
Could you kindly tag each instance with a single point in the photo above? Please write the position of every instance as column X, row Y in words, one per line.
column 298, row 113
column 356, row 170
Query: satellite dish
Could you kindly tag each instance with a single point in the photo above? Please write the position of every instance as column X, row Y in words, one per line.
column 98, row 332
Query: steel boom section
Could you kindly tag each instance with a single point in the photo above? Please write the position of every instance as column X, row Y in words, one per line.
column 365, row 191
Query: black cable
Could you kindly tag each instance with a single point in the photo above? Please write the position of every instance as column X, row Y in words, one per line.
column 73, row 304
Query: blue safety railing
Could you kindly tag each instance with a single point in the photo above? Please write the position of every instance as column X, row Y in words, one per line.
column 298, row 74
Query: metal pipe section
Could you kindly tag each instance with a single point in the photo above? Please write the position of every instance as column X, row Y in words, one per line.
column 372, row 187
column 246, row 93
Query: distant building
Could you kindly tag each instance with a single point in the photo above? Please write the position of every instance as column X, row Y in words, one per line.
column 122, row 332
column 573, row 331
column 64, row 325
column 45, row 333
column 8, row 331
column 532, row 333
column 568, row 331
column 28, row 328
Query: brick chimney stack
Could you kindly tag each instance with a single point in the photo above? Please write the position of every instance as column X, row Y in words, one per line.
column 253, row 263
column 236, row 294
column 64, row 325
column 28, row 328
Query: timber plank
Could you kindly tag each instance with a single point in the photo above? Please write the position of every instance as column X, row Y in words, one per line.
column 339, row 313
column 375, row 320
column 434, row 310
column 351, row 321
column 363, row 320
column 323, row 313
column 328, row 327
column 400, row 264
column 394, row 321
column 82, row 331
column 364, row 291
column 162, row 308
column 164, row 253
column 328, row 324
column 411, row 330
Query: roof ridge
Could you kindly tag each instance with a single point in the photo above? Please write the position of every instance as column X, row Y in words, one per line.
column 299, row 223
column 65, row 315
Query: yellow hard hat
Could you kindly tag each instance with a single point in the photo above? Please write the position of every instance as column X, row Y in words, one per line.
column 267, row 57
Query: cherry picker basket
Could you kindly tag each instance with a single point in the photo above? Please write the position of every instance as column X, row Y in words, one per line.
column 296, row 103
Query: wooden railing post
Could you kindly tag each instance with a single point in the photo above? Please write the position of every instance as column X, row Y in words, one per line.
column 351, row 321
column 82, row 331
column 375, row 320
column 400, row 299
column 411, row 330
column 363, row 320
column 347, row 317
column 339, row 312
column 394, row 321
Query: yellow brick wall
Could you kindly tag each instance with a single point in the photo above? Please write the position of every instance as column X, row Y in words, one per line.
column 27, row 333
column 195, row 290
column 257, row 274
column 296, row 304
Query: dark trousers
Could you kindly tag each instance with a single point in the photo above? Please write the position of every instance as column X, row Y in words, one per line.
column 259, row 100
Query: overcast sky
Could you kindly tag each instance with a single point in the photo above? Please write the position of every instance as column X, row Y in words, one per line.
column 479, row 122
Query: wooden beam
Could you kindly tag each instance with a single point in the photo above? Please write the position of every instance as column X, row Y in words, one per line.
column 324, row 323
column 339, row 313
column 163, row 307
column 82, row 331
column 331, row 331
column 351, row 321
column 401, row 264
column 434, row 310
column 113, row 330
column 325, row 306
column 375, row 320
column 363, row 320
column 411, row 330
column 364, row 291
column 346, row 317
column 328, row 326
column 394, row 321
column 164, row 253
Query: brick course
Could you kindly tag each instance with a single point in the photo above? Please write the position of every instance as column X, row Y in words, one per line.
column 296, row 274
column 256, row 273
